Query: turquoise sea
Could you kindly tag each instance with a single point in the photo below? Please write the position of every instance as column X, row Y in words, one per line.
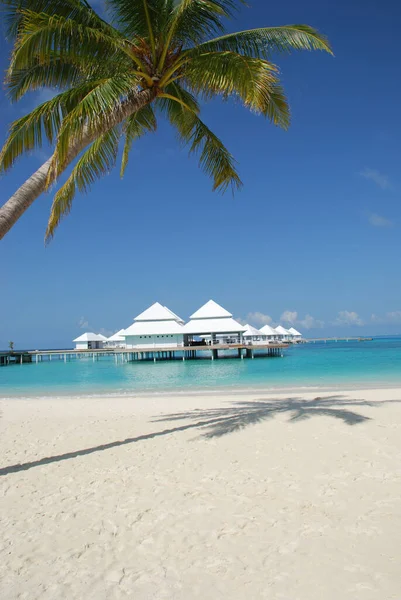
column 345, row 364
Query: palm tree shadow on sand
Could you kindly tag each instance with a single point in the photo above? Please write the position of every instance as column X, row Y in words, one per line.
column 222, row 421
column 217, row 422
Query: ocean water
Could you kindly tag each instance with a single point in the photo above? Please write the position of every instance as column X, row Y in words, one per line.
column 350, row 364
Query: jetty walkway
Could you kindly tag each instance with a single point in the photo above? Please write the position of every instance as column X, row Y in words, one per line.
column 154, row 354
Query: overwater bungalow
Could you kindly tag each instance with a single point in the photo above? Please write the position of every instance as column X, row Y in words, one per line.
column 252, row 335
column 157, row 326
column 296, row 335
column 270, row 333
column 283, row 334
column 117, row 340
column 159, row 333
column 213, row 322
column 89, row 341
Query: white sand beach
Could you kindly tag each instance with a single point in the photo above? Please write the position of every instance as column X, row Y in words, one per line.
column 271, row 496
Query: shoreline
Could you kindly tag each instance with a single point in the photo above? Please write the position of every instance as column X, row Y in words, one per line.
column 211, row 391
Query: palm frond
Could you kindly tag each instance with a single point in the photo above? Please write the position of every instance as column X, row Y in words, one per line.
column 141, row 122
column 277, row 107
column 264, row 41
column 90, row 114
column 41, row 35
column 78, row 10
column 95, row 162
column 230, row 74
column 175, row 111
column 214, row 158
column 26, row 133
column 57, row 73
column 193, row 20
column 143, row 18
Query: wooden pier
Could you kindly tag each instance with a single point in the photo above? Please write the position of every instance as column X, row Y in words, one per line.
column 15, row 358
column 155, row 354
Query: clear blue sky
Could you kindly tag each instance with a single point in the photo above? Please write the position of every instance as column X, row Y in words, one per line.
column 315, row 230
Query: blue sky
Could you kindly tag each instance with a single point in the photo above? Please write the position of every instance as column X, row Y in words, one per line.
column 314, row 236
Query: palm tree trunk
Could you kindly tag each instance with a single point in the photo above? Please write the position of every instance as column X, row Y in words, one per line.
column 33, row 187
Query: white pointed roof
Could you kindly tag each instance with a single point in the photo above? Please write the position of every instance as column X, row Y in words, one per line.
column 282, row 331
column 267, row 330
column 117, row 337
column 89, row 337
column 212, row 318
column 157, row 312
column 155, row 320
column 176, row 317
column 294, row 331
column 102, row 337
column 211, row 310
column 251, row 331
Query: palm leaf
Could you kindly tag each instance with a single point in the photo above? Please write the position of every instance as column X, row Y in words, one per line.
column 46, row 119
column 41, row 35
column 277, row 108
column 78, row 10
column 141, row 122
column 143, row 18
column 214, row 158
column 262, row 42
column 91, row 113
column 95, row 162
column 229, row 74
column 192, row 20
column 57, row 73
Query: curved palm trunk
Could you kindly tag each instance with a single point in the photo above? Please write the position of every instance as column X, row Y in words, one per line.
column 19, row 202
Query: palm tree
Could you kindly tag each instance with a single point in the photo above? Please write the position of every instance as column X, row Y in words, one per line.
column 115, row 78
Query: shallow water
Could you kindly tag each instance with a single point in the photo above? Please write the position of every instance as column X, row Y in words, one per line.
column 369, row 363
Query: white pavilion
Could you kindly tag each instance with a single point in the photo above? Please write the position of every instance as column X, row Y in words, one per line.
column 214, row 322
column 296, row 335
column 269, row 332
column 252, row 335
column 117, row 340
column 89, row 341
column 283, row 333
column 156, row 327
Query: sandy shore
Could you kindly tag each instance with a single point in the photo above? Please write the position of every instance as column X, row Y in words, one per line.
column 278, row 497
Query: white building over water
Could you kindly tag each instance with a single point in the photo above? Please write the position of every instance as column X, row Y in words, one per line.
column 89, row 341
column 283, row 333
column 296, row 335
column 252, row 335
column 156, row 327
column 117, row 340
column 270, row 333
column 214, row 322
